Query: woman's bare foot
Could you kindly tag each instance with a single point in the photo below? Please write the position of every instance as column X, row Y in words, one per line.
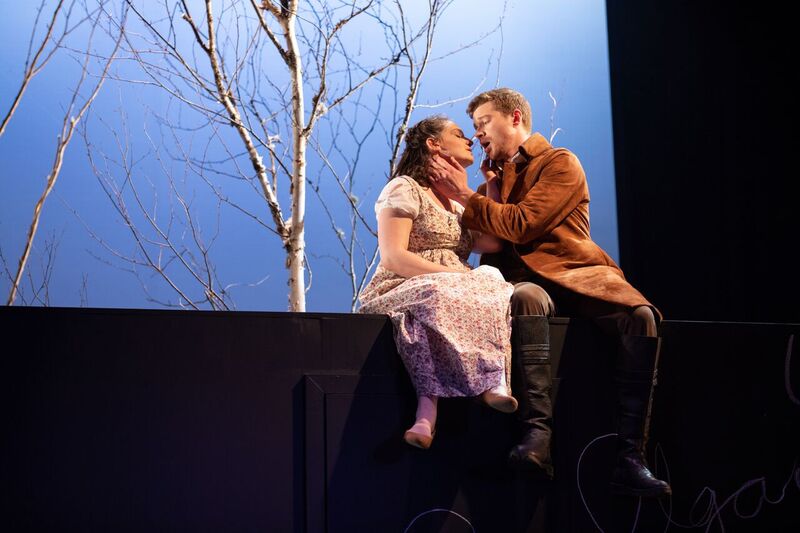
column 420, row 434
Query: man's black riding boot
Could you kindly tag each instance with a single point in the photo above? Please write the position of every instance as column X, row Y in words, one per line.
column 530, row 352
column 635, row 376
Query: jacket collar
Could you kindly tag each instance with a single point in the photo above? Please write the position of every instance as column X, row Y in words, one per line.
column 533, row 147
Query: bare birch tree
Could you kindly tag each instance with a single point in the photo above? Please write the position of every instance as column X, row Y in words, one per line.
column 221, row 62
column 75, row 110
column 247, row 86
column 229, row 40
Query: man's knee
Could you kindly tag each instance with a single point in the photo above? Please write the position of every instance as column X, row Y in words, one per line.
column 643, row 322
column 530, row 299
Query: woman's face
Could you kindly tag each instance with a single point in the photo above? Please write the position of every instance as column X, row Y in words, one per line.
column 454, row 142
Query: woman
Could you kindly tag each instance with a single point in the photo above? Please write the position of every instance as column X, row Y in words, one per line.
column 451, row 323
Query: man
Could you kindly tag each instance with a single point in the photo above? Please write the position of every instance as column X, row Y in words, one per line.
column 537, row 200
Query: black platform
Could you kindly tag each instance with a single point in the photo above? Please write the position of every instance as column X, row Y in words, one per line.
column 133, row 420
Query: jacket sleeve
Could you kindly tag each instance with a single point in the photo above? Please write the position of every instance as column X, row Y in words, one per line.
column 560, row 189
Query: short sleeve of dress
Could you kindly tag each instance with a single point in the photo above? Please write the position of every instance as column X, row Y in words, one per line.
column 401, row 196
column 458, row 208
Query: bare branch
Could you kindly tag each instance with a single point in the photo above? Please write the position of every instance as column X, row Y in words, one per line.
column 67, row 130
column 83, row 292
column 553, row 130
column 415, row 78
column 32, row 65
column 237, row 85
column 199, row 38
column 114, row 194
column 226, row 99
column 263, row 23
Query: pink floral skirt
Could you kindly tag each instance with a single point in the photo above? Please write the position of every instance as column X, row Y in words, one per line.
column 453, row 330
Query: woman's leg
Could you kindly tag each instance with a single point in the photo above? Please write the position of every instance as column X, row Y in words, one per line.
column 421, row 433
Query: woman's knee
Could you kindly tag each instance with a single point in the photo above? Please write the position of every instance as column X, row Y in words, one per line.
column 530, row 299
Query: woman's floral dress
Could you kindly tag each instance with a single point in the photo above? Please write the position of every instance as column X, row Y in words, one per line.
column 452, row 329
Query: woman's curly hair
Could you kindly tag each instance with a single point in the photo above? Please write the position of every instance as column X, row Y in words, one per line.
column 415, row 156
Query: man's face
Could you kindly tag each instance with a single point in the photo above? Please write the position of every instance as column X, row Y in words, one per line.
column 495, row 131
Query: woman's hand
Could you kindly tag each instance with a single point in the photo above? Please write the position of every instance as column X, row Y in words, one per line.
column 449, row 178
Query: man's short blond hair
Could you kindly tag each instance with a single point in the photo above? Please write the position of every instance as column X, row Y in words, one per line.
column 506, row 101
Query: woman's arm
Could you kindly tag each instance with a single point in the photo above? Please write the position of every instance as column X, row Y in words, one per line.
column 393, row 234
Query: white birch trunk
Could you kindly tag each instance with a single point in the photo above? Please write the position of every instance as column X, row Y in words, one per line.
column 296, row 244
